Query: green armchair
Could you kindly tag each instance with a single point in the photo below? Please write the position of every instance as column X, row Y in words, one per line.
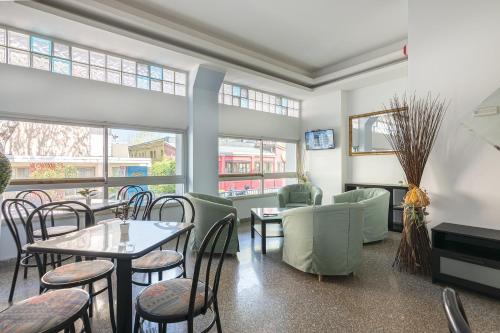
column 208, row 210
column 299, row 195
column 375, row 202
column 323, row 240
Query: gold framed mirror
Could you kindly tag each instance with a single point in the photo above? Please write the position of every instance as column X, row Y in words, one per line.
column 367, row 133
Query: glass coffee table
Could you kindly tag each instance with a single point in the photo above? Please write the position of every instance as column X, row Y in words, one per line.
column 265, row 216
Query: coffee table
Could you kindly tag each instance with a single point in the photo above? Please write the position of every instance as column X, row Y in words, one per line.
column 265, row 216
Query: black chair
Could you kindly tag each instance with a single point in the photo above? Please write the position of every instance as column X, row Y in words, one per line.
column 141, row 200
column 36, row 197
column 124, row 194
column 48, row 313
column 77, row 274
column 162, row 260
column 455, row 314
column 177, row 300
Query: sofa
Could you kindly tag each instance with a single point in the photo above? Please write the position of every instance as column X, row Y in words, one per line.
column 375, row 203
column 323, row 240
column 208, row 210
column 299, row 195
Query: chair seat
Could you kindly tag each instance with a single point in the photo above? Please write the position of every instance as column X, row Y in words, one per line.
column 169, row 300
column 78, row 272
column 44, row 312
column 158, row 260
column 55, row 231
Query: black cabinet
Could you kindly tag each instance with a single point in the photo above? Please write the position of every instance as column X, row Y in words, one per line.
column 397, row 193
column 467, row 256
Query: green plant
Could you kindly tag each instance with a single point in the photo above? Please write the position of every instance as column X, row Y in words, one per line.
column 87, row 193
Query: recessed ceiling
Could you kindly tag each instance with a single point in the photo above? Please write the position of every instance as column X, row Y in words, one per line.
column 310, row 35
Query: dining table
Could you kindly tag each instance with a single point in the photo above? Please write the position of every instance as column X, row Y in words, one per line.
column 98, row 205
column 120, row 240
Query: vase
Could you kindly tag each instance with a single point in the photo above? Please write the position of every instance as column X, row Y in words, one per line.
column 5, row 172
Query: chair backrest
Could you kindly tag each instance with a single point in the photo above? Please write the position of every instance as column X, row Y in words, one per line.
column 37, row 197
column 13, row 209
column 168, row 202
column 140, row 200
column 212, row 237
column 455, row 314
column 52, row 209
column 127, row 191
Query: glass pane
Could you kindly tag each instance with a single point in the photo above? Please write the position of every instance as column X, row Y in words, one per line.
column 265, row 107
column 258, row 106
column 80, row 70
column 143, row 153
column 258, row 96
column 244, row 103
column 158, row 190
column 296, row 105
column 237, row 188
column 228, row 89
column 273, row 185
column 272, row 100
column 128, row 80
column 236, row 91
column 41, row 45
column 19, row 58
column 61, row 66
column 180, row 89
column 97, row 59
column 244, row 93
column 251, row 104
column 156, row 85
column 272, row 108
column 278, row 109
column 97, row 74
column 3, row 38
column 239, row 156
column 168, row 87
column 168, row 75
column 128, row 66
column 142, row 69
column 113, row 77
column 58, row 194
column 80, row 55
column 251, row 94
column 236, row 101
column 113, row 63
column 41, row 62
column 142, row 82
column 156, row 72
column 41, row 150
column 284, row 102
column 279, row 156
column 3, row 55
column 180, row 78
column 19, row 40
column 228, row 100
column 61, row 50
column 265, row 98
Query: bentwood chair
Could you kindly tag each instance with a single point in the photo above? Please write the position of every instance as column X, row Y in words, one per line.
column 139, row 201
column 77, row 274
column 36, row 197
column 162, row 260
column 125, row 193
column 455, row 314
column 177, row 300
column 47, row 313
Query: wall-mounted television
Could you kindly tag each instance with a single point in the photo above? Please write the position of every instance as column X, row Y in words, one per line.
column 320, row 139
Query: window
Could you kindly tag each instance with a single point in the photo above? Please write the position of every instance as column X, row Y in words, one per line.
column 240, row 161
column 29, row 50
column 248, row 98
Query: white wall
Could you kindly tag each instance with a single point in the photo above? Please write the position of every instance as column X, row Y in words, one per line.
column 383, row 169
column 454, row 52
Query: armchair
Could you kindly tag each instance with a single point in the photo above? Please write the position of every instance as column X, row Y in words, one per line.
column 208, row 210
column 375, row 203
column 299, row 195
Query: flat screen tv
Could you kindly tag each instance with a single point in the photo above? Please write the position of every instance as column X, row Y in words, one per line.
column 320, row 139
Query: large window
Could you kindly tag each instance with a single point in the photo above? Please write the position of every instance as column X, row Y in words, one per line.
column 250, row 167
column 249, row 98
column 65, row 158
column 32, row 50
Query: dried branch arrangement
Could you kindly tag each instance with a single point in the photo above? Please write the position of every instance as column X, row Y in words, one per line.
column 412, row 133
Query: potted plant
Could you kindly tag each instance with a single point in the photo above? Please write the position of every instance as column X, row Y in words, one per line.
column 87, row 194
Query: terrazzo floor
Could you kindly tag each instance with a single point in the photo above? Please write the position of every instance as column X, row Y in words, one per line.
column 262, row 294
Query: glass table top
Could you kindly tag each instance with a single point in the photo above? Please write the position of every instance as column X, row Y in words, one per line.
column 113, row 239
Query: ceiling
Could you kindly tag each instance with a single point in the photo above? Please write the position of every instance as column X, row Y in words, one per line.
column 309, row 35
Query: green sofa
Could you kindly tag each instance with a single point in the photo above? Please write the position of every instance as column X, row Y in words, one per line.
column 375, row 202
column 208, row 210
column 323, row 240
column 299, row 195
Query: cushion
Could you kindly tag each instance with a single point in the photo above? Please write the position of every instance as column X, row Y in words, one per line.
column 299, row 197
column 77, row 272
column 44, row 312
column 169, row 300
column 56, row 231
column 158, row 260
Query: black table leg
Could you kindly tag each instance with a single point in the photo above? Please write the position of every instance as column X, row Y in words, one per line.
column 252, row 224
column 263, row 231
column 88, row 220
column 124, row 295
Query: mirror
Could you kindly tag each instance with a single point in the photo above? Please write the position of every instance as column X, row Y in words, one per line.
column 485, row 120
column 367, row 133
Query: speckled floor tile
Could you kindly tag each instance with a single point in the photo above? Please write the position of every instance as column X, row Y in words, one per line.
column 261, row 294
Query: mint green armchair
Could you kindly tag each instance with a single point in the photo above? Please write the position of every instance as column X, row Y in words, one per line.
column 323, row 240
column 375, row 202
column 299, row 195
column 208, row 210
